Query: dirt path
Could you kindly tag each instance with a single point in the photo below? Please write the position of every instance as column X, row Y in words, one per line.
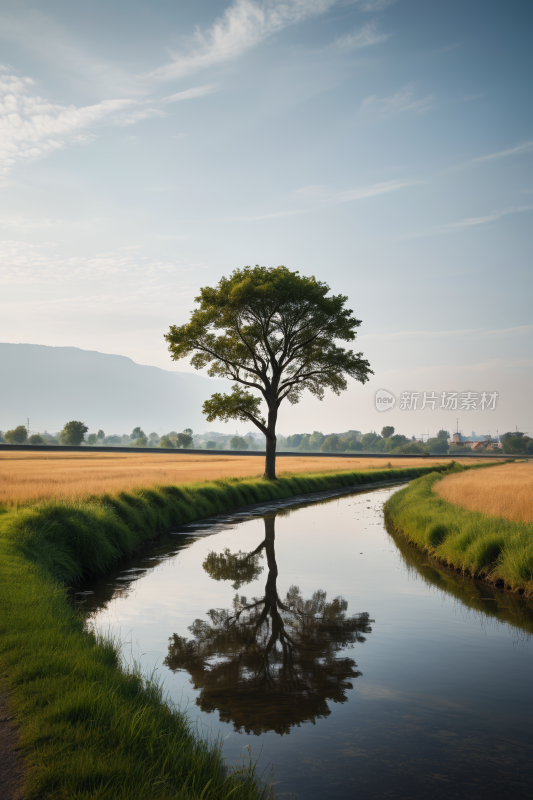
column 11, row 766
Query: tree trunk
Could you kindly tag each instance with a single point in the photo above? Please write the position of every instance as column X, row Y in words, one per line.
column 270, row 460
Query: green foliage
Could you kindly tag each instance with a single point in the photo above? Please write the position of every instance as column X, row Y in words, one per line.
column 210, row 445
column 16, row 436
column 442, row 434
column 73, row 433
column 331, row 444
column 370, row 440
column 240, row 405
column 272, row 331
column 294, row 441
column 100, row 435
column 238, row 443
column 387, row 431
column 142, row 441
column 516, row 443
column 36, row 438
column 266, row 316
column 92, row 439
column 316, row 440
column 138, row 433
column 183, row 440
column 409, row 449
column 352, row 444
column 113, row 440
column 437, row 446
column 490, row 547
column 166, row 442
column 305, row 443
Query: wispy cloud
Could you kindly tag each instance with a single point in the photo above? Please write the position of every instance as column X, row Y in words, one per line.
column 21, row 262
column 362, row 37
column 309, row 198
column 374, row 5
column 242, row 26
column 32, row 127
column 190, row 94
column 398, row 103
column 526, row 147
column 469, row 222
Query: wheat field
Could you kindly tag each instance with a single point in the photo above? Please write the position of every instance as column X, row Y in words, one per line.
column 503, row 491
column 26, row 477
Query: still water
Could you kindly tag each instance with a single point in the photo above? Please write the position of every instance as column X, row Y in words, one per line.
column 349, row 662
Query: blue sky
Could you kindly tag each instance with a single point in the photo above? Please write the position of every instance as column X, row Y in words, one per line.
column 385, row 147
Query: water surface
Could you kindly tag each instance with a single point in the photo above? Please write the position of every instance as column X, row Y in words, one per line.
column 346, row 659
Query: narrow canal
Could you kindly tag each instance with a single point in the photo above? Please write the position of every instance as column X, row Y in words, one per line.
column 349, row 662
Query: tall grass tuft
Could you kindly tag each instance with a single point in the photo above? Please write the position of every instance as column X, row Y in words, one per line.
column 496, row 549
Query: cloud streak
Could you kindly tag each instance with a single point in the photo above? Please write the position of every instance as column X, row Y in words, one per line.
column 190, row 94
column 363, row 37
column 398, row 103
column 469, row 222
column 526, row 147
column 315, row 197
column 242, row 26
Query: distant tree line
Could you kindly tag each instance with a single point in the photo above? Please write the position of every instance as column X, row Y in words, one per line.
column 352, row 441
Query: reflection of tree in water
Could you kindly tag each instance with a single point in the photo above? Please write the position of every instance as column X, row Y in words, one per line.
column 269, row 664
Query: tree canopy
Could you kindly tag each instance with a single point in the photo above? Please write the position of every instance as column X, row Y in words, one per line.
column 16, row 436
column 73, row 433
column 273, row 332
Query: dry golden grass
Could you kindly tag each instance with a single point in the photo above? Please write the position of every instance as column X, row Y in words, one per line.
column 30, row 476
column 505, row 491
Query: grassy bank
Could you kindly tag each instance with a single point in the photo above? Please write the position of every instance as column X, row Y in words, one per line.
column 89, row 728
column 489, row 547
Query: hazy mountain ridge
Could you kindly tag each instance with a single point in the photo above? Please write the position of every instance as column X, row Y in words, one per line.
column 52, row 385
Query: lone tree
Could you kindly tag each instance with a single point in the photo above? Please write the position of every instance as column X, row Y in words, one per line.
column 272, row 331
column 387, row 431
column 73, row 433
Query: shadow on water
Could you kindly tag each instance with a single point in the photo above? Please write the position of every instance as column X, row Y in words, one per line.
column 267, row 663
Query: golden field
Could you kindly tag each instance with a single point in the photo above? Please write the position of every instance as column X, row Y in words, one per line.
column 502, row 491
column 30, row 476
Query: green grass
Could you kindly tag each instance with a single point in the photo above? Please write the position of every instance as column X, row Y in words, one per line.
column 91, row 728
column 492, row 548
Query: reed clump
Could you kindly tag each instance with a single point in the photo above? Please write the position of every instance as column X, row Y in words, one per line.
column 490, row 547
column 91, row 729
column 506, row 491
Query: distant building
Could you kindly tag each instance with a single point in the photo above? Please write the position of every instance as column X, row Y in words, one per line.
column 475, row 442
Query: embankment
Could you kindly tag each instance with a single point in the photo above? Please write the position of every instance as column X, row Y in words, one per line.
column 89, row 728
column 497, row 550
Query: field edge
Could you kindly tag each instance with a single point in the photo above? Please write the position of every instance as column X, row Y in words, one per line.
column 493, row 549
